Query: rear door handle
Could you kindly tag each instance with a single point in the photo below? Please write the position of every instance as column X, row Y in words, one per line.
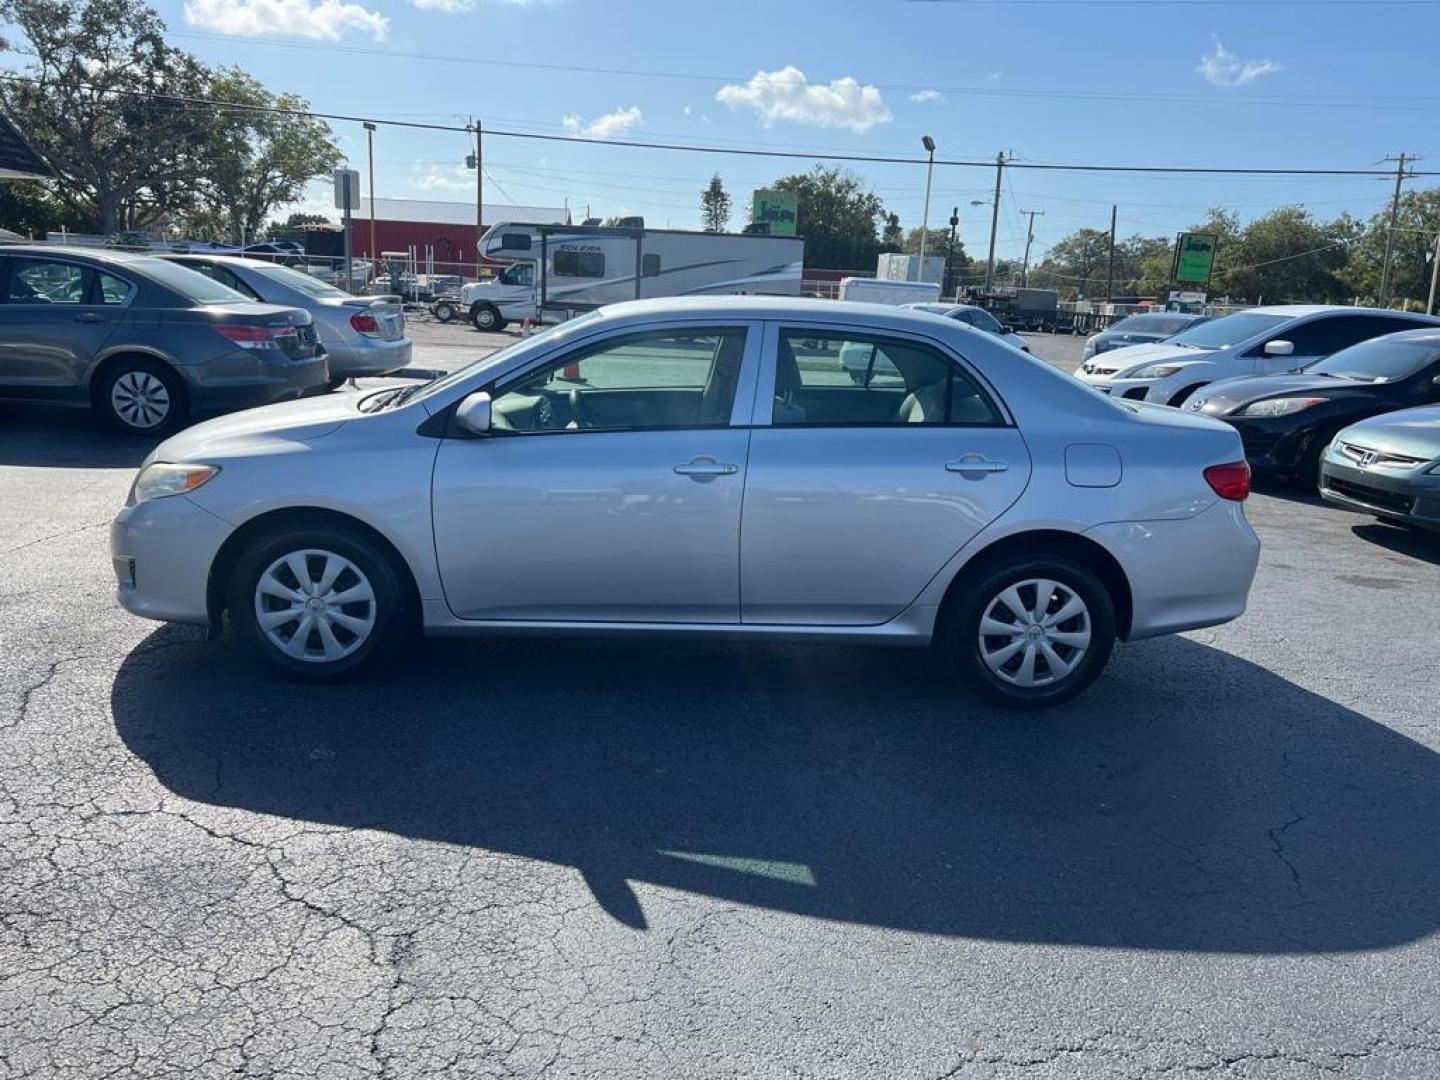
column 91, row 316
column 976, row 463
column 706, row 468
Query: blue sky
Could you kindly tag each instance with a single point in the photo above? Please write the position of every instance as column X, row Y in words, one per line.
column 1183, row 83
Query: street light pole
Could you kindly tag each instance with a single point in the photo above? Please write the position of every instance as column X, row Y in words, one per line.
column 1434, row 276
column 370, row 154
column 1029, row 239
column 929, row 145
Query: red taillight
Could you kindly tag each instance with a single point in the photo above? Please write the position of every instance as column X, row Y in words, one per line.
column 1230, row 481
column 365, row 323
column 256, row 337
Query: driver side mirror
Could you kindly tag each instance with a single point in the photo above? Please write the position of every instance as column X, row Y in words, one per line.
column 1279, row 347
column 472, row 415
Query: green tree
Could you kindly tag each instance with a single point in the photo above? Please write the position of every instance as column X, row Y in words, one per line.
column 260, row 158
column 838, row 217
column 714, row 206
column 1285, row 255
column 123, row 156
column 28, row 208
column 1416, row 228
column 1076, row 265
column 892, row 238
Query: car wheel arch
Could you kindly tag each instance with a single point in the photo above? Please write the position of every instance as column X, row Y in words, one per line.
column 1042, row 542
column 95, row 376
column 223, row 565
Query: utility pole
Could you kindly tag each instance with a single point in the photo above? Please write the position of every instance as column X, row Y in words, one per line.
column 1390, row 232
column 370, row 153
column 1029, row 239
column 1110, row 273
column 994, row 220
column 950, row 252
column 477, row 162
column 1434, row 276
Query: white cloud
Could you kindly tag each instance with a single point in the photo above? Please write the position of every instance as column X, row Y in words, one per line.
column 604, row 127
column 926, row 97
column 687, row 110
column 994, row 76
column 450, row 6
column 787, row 95
column 1223, row 68
column 455, row 178
column 323, row 20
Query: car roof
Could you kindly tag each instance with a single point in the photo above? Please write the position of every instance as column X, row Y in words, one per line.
column 227, row 260
column 772, row 307
column 103, row 254
column 1423, row 336
column 1296, row 311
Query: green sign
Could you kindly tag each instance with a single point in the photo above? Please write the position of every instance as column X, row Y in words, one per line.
column 777, row 209
column 1194, row 257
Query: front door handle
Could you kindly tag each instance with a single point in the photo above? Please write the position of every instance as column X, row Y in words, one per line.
column 706, row 468
column 91, row 316
column 976, row 463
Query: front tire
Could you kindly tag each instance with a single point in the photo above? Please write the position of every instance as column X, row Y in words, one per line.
column 444, row 312
column 317, row 602
column 486, row 318
column 143, row 397
column 1031, row 631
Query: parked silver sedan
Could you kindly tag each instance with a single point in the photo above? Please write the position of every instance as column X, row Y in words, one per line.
column 362, row 335
column 592, row 479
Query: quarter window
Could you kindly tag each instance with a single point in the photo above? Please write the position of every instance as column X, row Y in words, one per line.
column 666, row 379
column 113, row 290
column 579, row 264
column 41, row 281
column 836, row 380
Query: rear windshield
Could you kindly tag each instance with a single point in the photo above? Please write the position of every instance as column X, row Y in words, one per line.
column 191, row 284
column 300, row 282
column 1154, row 323
column 1228, row 330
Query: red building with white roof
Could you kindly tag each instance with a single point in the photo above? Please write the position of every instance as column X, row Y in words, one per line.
column 446, row 230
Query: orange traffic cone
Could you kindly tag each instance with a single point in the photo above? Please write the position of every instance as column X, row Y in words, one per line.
column 525, row 328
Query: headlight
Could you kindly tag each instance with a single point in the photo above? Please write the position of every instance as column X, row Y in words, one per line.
column 1280, row 406
column 162, row 478
column 1157, row 371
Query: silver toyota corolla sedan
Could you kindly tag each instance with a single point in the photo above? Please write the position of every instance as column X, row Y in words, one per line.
column 707, row 467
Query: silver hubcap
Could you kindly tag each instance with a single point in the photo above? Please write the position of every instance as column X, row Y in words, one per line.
column 315, row 605
column 1034, row 633
column 140, row 399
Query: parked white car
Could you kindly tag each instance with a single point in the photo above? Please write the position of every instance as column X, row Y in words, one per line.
column 1256, row 341
column 590, row 479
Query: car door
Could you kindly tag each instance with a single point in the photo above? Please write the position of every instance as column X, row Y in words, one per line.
column 53, row 321
column 858, row 493
column 610, row 487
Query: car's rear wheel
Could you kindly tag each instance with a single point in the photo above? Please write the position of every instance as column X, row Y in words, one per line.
column 317, row 601
column 142, row 397
column 1031, row 631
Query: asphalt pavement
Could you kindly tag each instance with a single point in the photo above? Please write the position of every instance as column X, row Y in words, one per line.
column 651, row 859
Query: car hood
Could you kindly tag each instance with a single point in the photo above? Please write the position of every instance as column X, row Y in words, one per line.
column 269, row 429
column 1226, row 395
column 1410, row 432
column 1130, row 357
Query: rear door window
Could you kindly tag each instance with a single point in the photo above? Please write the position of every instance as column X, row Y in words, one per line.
column 45, row 281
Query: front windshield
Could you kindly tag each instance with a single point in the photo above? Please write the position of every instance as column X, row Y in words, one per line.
column 475, row 367
column 1154, row 323
column 301, row 283
column 1379, row 360
column 1228, row 330
column 191, row 284
column 983, row 320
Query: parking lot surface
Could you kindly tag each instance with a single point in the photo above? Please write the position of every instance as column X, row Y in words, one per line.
column 640, row 859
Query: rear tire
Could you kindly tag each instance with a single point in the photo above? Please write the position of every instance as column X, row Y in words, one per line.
column 143, row 397
column 318, row 602
column 1030, row 631
column 445, row 312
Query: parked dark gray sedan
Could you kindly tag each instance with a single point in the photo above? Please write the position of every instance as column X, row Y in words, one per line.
column 143, row 341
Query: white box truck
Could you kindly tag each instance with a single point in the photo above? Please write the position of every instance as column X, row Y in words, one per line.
column 892, row 266
column 881, row 291
column 556, row 271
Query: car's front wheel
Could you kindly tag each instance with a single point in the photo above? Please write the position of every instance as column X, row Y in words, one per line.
column 486, row 318
column 1031, row 631
column 317, row 601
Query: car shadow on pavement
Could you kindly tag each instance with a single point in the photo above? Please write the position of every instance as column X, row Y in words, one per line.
column 50, row 436
column 1190, row 801
column 1416, row 543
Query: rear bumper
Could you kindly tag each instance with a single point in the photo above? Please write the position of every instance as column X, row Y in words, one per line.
column 1409, row 496
column 370, row 357
column 1187, row 573
column 163, row 550
column 240, row 381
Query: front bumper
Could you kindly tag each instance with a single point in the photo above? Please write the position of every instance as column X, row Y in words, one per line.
column 1157, row 391
column 1272, row 445
column 370, row 356
column 162, row 551
column 1407, row 495
column 1218, row 551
